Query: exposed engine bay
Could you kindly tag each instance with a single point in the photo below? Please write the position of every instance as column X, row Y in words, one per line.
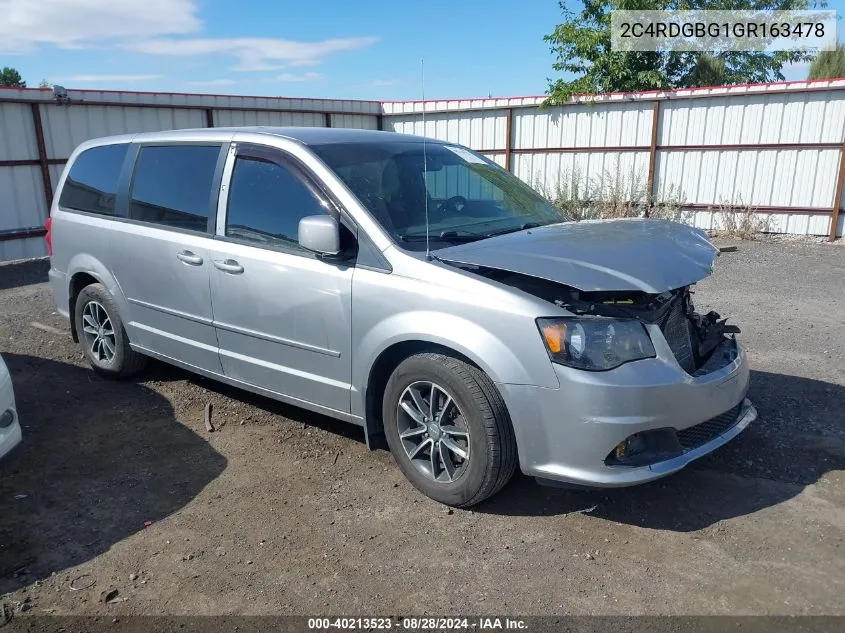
column 693, row 337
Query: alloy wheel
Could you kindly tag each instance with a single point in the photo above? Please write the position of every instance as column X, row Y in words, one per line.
column 433, row 431
column 98, row 332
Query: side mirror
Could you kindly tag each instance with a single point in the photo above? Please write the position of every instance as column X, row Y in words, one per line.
column 320, row 234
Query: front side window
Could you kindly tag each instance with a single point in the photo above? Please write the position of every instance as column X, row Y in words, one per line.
column 266, row 202
column 92, row 182
column 173, row 185
column 465, row 196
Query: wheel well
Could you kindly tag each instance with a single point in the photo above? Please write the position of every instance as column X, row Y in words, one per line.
column 380, row 373
column 77, row 283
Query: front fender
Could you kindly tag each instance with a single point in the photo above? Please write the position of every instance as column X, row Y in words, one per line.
column 492, row 354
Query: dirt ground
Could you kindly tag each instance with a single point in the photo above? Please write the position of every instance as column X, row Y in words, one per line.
column 284, row 512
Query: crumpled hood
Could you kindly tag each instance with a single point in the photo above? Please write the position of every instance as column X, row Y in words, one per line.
column 651, row 256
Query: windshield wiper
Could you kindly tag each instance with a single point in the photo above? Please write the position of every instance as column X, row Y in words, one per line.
column 445, row 236
column 456, row 237
column 514, row 229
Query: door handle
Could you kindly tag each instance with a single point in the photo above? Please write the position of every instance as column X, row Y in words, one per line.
column 189, row 258
column 229, row 266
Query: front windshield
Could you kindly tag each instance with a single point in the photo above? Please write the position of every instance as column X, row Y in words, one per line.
column 468, row 197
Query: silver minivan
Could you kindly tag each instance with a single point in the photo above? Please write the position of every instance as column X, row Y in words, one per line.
column 407, row 285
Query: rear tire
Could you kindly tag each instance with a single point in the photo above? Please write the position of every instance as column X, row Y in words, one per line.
column 102, row 334
column 460, row 451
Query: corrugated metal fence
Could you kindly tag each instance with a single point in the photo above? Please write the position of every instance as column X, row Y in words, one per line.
column 37, row 135
column 776, row 148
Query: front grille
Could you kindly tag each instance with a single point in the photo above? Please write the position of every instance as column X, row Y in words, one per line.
column 695, row 436
column 675, row 327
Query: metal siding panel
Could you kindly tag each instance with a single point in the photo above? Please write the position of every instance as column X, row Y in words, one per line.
column 66, row 127
column 812, row 120
column 704, row 220
column 477, row 130
column 356, row 121
column 771, row 120
column 595, row 174
column 392, row 124
column 22, row 204
column 800, row 178
column 752, row 121
column 793, row 112
column 228, row 118
column 816, row 225
column 29, row 248
column 764, row 177
column 835, row 115
column 17, row 135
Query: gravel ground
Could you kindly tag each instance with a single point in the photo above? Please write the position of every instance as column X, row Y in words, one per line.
column 132, row 507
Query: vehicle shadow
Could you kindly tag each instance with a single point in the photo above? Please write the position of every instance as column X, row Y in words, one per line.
column 25, row 273
column 98, row 460
column 798, row 437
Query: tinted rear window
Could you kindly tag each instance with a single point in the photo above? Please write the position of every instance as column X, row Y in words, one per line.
column 173, row 185
column 91, row 184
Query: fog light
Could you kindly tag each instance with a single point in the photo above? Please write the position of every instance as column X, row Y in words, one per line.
column 644, row 448
column 622, row 449
column 6, row 418
column 630, row 447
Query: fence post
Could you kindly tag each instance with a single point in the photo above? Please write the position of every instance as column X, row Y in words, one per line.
column 508, row 138
column 42, row 155
column 837, row 197
column 652, row 152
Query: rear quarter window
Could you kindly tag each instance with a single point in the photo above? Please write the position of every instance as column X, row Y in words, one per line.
column 91, row 184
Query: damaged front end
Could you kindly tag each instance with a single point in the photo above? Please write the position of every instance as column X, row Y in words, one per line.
column 657, row 428
column 692, row 337
column 701, row 343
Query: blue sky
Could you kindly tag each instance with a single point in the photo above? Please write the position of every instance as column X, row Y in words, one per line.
column 317, row 48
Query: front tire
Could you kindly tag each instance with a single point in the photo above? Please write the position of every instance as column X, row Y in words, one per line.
column 448, row 429
column 102, row 334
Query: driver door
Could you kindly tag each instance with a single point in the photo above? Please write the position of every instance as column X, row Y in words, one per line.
column 282, row 314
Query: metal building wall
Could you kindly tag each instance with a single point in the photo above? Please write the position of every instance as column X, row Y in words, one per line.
column 28, row 176
column 776, row 147
column 21, row 192
column 612, row 141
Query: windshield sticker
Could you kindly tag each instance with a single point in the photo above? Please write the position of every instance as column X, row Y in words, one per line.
column 465, row 154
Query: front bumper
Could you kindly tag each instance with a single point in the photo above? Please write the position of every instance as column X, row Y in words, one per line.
column 565, row 434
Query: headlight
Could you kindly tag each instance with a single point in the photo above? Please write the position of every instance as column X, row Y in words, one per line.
column 595, row 343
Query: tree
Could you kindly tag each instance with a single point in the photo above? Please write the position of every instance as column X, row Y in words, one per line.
column 581, row 46
column 829, row 64
column 11, row 78
column 709, row 70
column 44, row 84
